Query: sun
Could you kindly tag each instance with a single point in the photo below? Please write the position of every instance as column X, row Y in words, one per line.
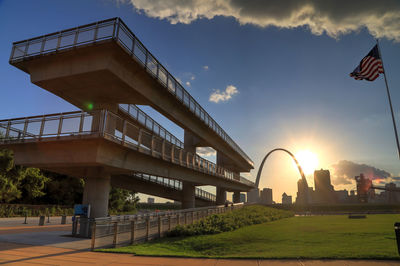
column 307, row 160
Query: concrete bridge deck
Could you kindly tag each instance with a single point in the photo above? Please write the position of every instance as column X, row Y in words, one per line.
column 103, row 64
column 70, row 142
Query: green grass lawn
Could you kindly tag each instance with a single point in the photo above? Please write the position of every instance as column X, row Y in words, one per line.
column 295, row 237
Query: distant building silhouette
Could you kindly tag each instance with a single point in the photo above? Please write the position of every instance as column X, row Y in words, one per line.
column 303, row 192
column 342, row 196
column 286, row 200
column 150, row 200
column 242, row 197
column 253, row 196
column 266, row 196
column 324, row 191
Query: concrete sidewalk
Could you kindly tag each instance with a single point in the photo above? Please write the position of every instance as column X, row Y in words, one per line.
column 31, row 221
column 20, row 254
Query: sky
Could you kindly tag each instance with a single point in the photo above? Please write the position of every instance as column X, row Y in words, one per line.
column 273, row 74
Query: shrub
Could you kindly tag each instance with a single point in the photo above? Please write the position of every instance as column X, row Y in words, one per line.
column 230, row 221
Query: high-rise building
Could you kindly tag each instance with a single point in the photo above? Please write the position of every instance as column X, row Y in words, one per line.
column 324, row 191
column 266, row 196
column 302, row 192
column 286, row 199
column 253, row 196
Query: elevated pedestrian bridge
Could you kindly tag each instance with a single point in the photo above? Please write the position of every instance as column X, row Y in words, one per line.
column 68, row 142
column 103, row 64
column 104, row 70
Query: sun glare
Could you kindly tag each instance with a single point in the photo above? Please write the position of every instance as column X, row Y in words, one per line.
column 307, row 160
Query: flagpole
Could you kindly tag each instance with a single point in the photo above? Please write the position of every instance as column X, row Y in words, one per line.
column 390, row 100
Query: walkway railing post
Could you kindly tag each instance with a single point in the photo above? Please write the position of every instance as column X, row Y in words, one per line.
column 159, row 226
column 132, row 231
column 147, row 228
column 93, row 236
column 115, row 234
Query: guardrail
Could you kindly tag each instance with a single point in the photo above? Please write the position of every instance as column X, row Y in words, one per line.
column 129, row 229
column 175, row 184
column 144, row 119
column 102, row 123
column 116, row 29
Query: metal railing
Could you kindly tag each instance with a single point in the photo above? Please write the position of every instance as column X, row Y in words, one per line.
column 175, row 184
column 102, row 123
column 144, row 119
column 129, row 229
column 116, row 29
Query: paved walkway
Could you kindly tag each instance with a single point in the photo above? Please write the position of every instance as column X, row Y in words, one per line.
column 31, row 221
column 51, row 245
column 19, row 254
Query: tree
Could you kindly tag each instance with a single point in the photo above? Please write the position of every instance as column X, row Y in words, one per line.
column 19, row 184
column 62, row 190
column 122, row 200
column 10, row 177
column 32, row 184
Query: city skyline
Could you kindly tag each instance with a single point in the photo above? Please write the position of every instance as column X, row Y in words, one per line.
column 278, row 86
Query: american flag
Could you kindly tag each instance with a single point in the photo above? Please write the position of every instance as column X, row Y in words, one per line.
column 370, row 66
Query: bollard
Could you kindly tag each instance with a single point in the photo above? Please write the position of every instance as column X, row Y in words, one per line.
column 41, row 220
column 48, row 217
column 74, row 226
column 63, row 219
column 25, row 218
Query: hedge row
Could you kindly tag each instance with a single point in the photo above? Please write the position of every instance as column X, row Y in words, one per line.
column 230, row 221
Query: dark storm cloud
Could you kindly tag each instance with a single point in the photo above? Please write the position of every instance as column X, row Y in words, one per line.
column 345, row 171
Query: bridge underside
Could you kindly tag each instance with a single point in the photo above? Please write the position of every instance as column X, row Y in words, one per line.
column 75, row 155
column 137, row 185
column 103, row 75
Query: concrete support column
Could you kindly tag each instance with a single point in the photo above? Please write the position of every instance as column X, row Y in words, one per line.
column 221, row 196
column 236, row 197
column 96, row 192
column 190, row 142
column 188, row 195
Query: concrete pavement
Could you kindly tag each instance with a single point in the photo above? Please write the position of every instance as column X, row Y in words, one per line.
column 19, row 254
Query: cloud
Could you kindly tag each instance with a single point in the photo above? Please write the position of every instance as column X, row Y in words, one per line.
column 188, row 83
column 345, row 171
column 206, row 151
column 333, row 17
column 192, row 77
column 223, row 96
column 205, row 68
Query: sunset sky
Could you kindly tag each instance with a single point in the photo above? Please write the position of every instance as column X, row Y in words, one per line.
column 273, row 74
